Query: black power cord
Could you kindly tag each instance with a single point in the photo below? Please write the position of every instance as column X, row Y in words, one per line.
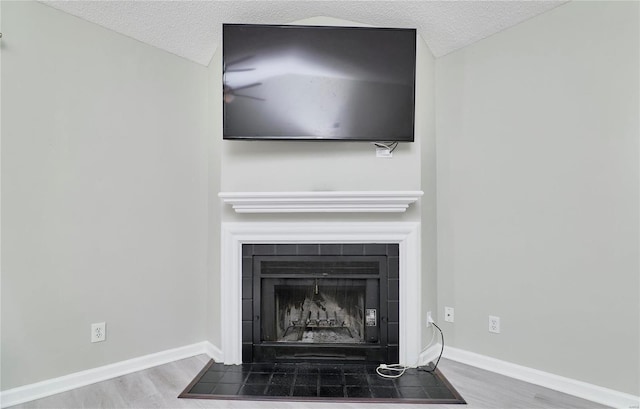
column 390, row 146
column 441, row 351
column 396, row 370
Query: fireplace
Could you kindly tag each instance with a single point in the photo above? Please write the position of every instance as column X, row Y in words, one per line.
column 321, row 239
column 317, row 302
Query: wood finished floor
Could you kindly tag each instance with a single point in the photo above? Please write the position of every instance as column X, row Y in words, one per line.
column 159, row 387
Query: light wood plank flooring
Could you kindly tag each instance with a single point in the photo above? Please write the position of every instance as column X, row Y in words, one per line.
column 158, row 387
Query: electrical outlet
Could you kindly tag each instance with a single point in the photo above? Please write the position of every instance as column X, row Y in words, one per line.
column 429, row 319
column 98, row 332
column 384, row 153
column 494, row 324
column 448, row 314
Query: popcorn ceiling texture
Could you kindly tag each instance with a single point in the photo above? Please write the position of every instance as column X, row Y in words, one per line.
column 193, row 29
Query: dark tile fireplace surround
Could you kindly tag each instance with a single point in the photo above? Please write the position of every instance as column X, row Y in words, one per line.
column 320, row 302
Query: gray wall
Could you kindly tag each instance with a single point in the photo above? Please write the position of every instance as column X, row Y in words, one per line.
column 214, row 115
column 425, row 121
column 104, row 196
column 538, row 193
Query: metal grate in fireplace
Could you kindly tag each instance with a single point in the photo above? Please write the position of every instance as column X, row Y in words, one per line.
column 313, row 302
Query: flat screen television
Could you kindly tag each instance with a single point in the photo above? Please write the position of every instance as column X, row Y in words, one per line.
column 318, row 83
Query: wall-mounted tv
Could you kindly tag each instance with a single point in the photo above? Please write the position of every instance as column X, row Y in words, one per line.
column 318, row 83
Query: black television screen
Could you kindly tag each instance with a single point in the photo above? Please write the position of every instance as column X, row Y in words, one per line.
column 318, row 83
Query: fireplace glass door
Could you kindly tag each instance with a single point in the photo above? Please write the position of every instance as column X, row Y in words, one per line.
column 316, row 310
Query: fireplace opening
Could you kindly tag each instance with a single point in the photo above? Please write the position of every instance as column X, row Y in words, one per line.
column 301, row 306
column 316, row 311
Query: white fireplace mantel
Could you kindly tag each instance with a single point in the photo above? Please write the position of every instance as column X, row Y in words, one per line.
column 321, row 201
column 234, row 235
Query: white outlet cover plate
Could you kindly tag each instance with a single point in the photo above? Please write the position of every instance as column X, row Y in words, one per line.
column 98, row 332
column 384, row 153
column 494, row 324
column 448, row 314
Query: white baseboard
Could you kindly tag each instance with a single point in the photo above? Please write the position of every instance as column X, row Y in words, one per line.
column 594, row 393
column 429, row 355
column 573, row 387
column 214, row 352
column 50, row 387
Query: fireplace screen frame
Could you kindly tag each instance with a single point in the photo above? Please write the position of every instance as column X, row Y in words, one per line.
column 381, row 341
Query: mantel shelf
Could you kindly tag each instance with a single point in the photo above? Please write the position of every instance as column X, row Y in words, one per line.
column 321, row 202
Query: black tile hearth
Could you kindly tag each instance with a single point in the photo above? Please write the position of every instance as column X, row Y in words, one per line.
column 319, row 382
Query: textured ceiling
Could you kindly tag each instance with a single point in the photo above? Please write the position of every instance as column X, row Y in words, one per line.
column 193, row 29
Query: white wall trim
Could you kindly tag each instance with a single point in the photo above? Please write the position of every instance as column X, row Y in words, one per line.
column 213, row 351
column 75, row 380
column 321, row 201
column 605, row 396
column 430, row 354
column 594, row 393
column 234, row 235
